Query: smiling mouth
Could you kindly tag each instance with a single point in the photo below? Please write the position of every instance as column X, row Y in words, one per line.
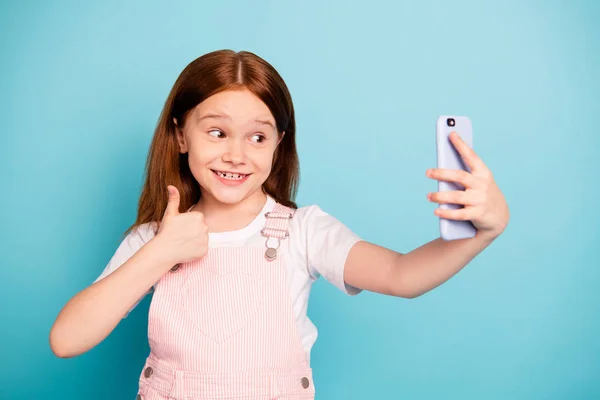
column 230, row 175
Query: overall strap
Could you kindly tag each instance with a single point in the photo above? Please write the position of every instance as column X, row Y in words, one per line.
column 276, row 227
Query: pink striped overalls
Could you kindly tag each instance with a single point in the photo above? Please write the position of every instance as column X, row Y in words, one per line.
column 223, row 327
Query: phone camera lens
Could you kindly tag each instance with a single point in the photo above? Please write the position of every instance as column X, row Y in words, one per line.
column 450, row 121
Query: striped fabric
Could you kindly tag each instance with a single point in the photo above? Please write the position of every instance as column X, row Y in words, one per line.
column 277, row 220
column 223, row 327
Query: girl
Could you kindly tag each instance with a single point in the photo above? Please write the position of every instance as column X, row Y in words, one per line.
column 229, row 256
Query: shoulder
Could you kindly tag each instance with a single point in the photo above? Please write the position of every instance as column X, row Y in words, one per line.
column 309, row 211
column 321, row 234
column 324, row 243
column 303, row 219
column 311, row 218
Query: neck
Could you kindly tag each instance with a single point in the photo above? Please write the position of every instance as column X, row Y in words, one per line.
column 222, row 217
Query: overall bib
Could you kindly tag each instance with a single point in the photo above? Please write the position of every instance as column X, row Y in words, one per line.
column 223, row 327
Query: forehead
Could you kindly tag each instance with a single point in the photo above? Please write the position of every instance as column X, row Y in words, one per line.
column 238, row 106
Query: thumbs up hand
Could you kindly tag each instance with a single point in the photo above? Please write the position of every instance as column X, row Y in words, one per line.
column 184, row 235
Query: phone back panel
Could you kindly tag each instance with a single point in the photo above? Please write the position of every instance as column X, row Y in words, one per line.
column 449, row 158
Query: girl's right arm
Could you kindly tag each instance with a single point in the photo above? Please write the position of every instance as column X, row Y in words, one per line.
column 92, row 314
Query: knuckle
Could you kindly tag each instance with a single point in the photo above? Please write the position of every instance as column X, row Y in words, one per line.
column 199, row 216
column 475, row 199
column 486, row 174
column 482, row 198
column 464, row 198
column 480, row 181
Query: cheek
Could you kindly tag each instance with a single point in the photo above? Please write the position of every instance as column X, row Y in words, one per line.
column 199, row 158
column 201, row 154
column 263, row 160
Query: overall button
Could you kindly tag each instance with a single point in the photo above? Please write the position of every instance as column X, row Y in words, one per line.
column 270, row 254
column 175, row 268
column 148, row 372
column 305, row 382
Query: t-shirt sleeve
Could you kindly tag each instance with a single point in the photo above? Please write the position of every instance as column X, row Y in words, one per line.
column 134, row 240
column 328, row 242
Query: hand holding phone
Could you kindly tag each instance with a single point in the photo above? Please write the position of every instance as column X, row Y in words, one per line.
column 449, row 158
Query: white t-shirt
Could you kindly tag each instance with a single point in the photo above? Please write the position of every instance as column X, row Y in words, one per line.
column 318, row 245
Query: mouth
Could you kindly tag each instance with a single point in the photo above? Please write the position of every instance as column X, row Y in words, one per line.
column 230, row 176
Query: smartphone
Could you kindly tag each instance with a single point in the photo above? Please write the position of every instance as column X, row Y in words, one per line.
column 449, row 158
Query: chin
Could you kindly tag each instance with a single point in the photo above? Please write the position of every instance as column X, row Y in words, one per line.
column 232, row 196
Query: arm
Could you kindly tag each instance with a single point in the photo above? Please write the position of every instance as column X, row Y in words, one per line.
column 377, row 269
column 381, row 270
column 92, row 314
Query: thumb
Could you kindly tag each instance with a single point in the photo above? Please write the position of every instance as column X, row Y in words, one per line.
column 173, row 204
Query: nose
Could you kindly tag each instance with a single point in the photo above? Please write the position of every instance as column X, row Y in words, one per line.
column 234, row 152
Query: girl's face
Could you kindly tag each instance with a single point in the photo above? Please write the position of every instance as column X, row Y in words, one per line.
column 231, row 139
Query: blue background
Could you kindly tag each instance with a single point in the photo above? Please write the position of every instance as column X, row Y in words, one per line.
column 82, row 84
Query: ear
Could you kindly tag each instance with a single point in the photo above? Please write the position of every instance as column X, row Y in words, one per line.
column 281, row 138
column 276, row 152
column 180, row 138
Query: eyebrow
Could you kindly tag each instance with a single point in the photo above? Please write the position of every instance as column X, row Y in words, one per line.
column 227, row 117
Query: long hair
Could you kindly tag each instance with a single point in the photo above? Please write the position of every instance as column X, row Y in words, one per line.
column 207, row 75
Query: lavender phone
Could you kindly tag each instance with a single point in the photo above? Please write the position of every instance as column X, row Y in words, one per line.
column 449, row 158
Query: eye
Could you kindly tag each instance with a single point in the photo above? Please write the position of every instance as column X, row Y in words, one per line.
column 258, row 138
column 216, row 133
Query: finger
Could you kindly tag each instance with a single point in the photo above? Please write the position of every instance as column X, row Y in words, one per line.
column 173, row 203
column 465, row 198
column 453, row 175
column 467, row 153
column 461, row 214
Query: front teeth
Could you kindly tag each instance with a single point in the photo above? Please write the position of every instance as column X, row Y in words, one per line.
column 226, row 175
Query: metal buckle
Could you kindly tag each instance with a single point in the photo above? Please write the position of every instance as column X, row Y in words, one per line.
column 262, row 232
column 278, row 215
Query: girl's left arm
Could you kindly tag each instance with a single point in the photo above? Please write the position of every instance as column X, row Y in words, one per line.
column 378, row 269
